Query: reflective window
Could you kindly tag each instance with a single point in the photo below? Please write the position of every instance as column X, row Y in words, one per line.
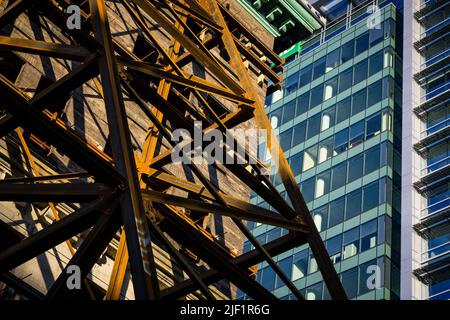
column 355, row 168
column 275, row 118
column 353, row 207
column 308, row 189
column 285, row 266
column 373, row 126
column 366, row 271
column 370, row 196
column 316, row 96
column 343, row 110
column 368, row 235
column 325, row 150
column 314, row 292
column 375, row 93
column 332, row 60
column 347, row 51
column 341, row 141
column 334, row 247
column 320, row 216
column 305, row 76
column 323, row 183
column 300, row 266
column 336, row 214
column 302, row 103
column 339, row 175
column 286, row 139
column 328, row 119
column 331, row 87
column 319, row 68
column 362, row 43
column 360, row 73
column 375, row 35
column 375, row 63
column 351, row 243
column 299, row 132
column 356, row 133
column 296, row 163
column 372, row 159
column 288, row 111
column 350, row 282
column 310, row 158
column 291, row 83
column 273, row 234
column 268, row 278
column 313, row 126
column 345, row 80
column 358, row 101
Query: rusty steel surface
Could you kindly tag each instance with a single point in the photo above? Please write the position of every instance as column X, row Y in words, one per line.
column 127, row 198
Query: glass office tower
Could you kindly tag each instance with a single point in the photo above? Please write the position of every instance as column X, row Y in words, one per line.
column 425, row 151
column 338, row 117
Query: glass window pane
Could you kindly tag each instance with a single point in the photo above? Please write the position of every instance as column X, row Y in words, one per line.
column 314, row 292
column 339, row 173
column 273, row 234
column 331, row 87
column 299, row 133
column 291, row 84
column 302, row 103
column 353, row 207
column 375, row 63
column 370, row 196
column 275, row 118
column 336, row 212
column 310, row 158
column 356, row 134
column 345, row 80
column 366, row 272
column 332, row 60
column 300, row 266
column 351, row 243
column 373, row 126
column 372, row 159
column 368, row 235
column 325, row 150
column 268, row 278
column 347, row 51
column 285, row 266
column 296, row 163
column 334, row 248
column 288, row 111
column 376, row 35
column 350, row 282
column 355, row 168
column 305, row 76
column 313, row 126
column 341, row 141
column 286, row 139
column 319, row 68
column 328, row 119
column 320, row 216
column 323, row 183
column 375, row 93
column 343, row 110
column 361, row 43
column 308, row 189
column 316, row 96
column 360, row 73
column 358, row 101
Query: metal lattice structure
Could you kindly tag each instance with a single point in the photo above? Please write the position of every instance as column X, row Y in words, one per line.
column 120, row 191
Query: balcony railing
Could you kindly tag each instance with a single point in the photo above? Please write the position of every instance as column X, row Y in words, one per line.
column 444, row 295
column 436, row 252
column 435, row 166
column 435, row 208
column 435, row 59
column 434, row 28
column 435, row 92
column 435, row 128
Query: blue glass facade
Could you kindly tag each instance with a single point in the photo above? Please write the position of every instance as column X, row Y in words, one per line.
column 338, row 121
